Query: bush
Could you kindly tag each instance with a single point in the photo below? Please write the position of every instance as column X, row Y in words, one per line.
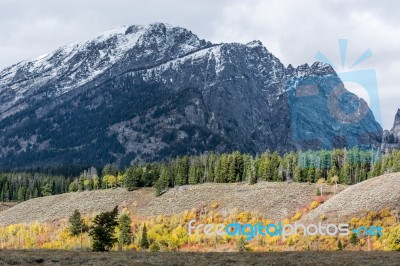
column 154, row 247
column 392, row 239
column 320, row 199
column 241, row 245
column 297, row 216
column 314, row 205
column 385, row 213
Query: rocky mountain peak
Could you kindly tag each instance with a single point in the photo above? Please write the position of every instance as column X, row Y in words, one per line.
column 317, row 68
column 255, row 43
column 396, row 125
column 391, row 138
column 152, row 92
column 397, row 118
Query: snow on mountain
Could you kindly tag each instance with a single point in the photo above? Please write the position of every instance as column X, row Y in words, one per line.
column 151, row 92
column 78, row 63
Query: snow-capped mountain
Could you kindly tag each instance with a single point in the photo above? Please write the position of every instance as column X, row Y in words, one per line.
column 156, row 91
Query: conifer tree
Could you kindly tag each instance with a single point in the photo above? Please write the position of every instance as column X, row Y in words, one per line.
column 144, row 242
column 340, row 246
column 162, row 183
column 103, row 230
column 354, row 240
column 77, row 225
column 125, row 232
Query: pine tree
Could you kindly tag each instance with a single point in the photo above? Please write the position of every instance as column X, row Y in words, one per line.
column 354, row 239
column 298, row 177
column 182, row 171
column 195, row 171
column 250, row 173
column 230, row 173
column 339, row 244
column 125, row 233
column 77, row 225
column 103, row 230
column 221, row 169
column 345, row 177
column 21, row 194
column 133, row 178
column 144, row 242
column 210, row 165
column 162, row 182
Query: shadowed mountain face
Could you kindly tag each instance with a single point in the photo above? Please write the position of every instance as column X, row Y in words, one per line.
column 391, row 138
column 157, row 91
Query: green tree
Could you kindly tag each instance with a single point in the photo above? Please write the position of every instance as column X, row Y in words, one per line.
column 354, row 240
column 339, row 245
column 125, row 233
column 298, row 177
column 46, row 190
column 195, row 171
column 250, row 172
column 162, row 183
column 133, row 178
column 103, row 230
column 77, row 225
column 21, row 194
column 182, row 171
column 144, row 242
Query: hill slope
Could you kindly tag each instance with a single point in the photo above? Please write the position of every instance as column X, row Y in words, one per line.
column 373, row 194
column 273, row 200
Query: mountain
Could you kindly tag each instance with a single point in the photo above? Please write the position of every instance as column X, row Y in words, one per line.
column 156, row 91
column 391, row 138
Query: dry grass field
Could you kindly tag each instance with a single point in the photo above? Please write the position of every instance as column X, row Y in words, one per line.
column 272, row 200
column 275, row 200
column 6, row 205
column 373, row 194
column 61, row 257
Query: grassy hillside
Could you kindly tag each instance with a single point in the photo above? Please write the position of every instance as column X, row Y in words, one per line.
column 167, row 216
column 272, row 200
column 355, row 201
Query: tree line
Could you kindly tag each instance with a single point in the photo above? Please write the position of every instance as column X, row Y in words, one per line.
column 346, row 166
column 103, row 230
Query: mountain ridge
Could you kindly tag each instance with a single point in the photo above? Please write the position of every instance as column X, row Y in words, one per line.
column 157, row 91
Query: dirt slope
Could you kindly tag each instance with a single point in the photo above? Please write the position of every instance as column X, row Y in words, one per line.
column 274, row 200
column 373, row 194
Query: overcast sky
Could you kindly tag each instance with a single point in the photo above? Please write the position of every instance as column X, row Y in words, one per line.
column 292, row 30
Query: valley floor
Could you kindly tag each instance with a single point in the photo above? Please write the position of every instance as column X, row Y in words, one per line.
column 62, row 257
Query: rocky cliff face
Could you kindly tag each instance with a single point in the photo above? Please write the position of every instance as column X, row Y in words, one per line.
column 391, row 138
column 157, row 91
